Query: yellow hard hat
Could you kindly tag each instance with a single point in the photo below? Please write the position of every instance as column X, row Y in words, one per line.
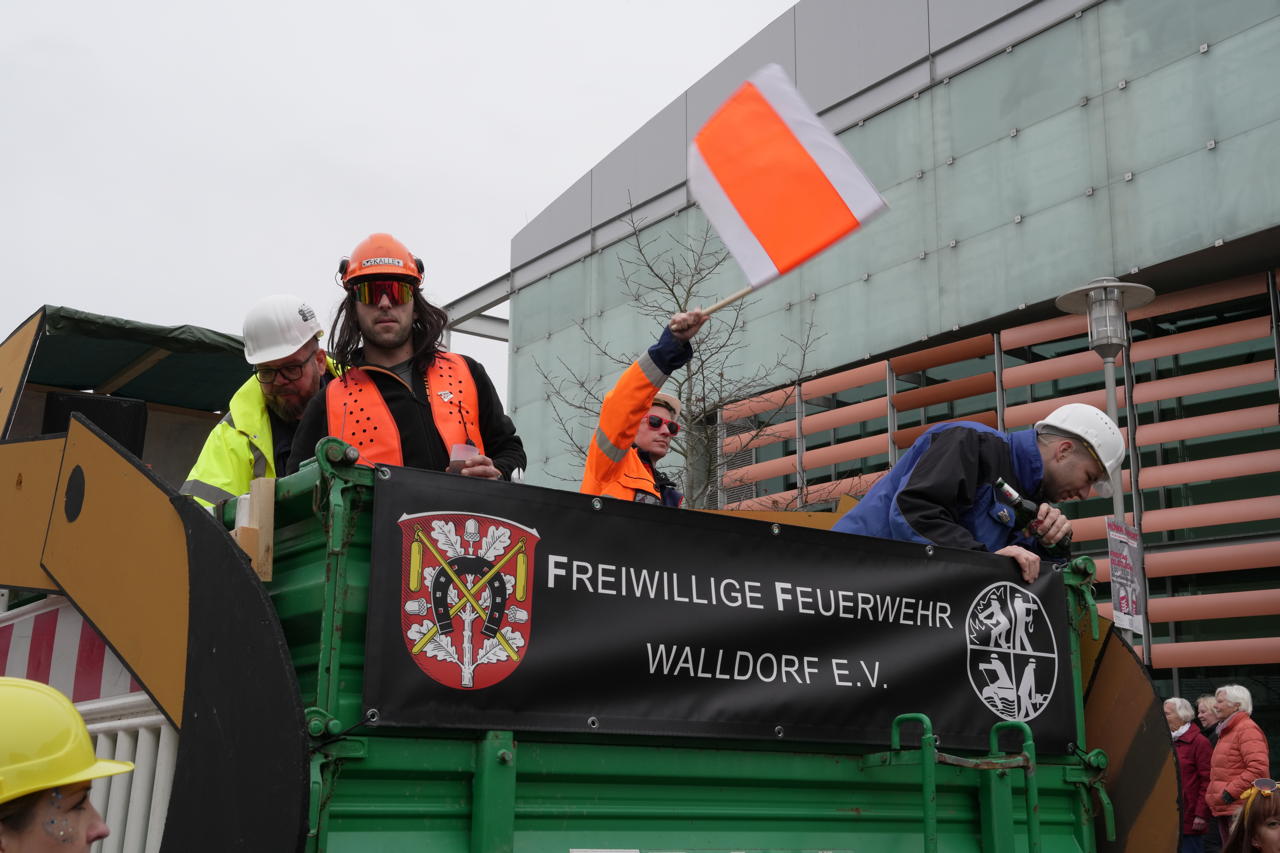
column 44, row 742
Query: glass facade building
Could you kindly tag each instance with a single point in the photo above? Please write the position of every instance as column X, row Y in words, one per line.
column 1024, row 149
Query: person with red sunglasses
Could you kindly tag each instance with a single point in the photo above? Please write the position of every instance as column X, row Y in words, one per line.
column 401, row 399
column 637, row 422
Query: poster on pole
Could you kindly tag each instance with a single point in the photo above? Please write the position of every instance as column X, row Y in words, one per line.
column 1128, row 582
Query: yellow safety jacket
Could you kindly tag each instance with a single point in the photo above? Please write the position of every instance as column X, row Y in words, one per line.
column 237, row 451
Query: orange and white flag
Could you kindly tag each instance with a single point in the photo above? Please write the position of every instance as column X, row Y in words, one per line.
column 776, row 184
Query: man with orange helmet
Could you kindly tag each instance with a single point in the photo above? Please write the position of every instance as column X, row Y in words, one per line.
column 638, row 421
column 253, row 439
column 400, row 399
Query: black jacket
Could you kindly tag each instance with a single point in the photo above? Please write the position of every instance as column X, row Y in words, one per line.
column 420, row 442
column 941, row 490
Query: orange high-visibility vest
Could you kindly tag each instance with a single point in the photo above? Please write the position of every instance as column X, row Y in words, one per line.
column 359, row 415
column 614, row 467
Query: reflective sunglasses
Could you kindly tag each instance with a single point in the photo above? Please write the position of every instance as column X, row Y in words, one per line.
column 371, row 292
column 656, row 422
column 290, row 372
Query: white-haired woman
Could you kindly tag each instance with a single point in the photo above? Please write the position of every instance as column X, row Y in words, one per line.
column 1239, row 757
column 1207, row 714
column 1193, row 769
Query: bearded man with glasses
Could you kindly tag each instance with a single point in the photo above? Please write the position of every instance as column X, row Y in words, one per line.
column 254, row 438
column 637, row 422
column 400, row 399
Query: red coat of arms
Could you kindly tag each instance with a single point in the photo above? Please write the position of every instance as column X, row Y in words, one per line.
column 466, row 595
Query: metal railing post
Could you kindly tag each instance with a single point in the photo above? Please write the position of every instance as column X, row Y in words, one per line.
column 889, row 382
column 997, row 353
column 800, row 480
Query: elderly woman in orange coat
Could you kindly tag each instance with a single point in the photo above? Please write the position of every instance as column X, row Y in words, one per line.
column 1239, row 758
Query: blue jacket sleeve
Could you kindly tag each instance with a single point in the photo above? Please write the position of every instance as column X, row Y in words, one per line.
column 670, row 353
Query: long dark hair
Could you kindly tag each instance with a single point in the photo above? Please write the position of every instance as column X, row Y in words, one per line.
column 428, row 327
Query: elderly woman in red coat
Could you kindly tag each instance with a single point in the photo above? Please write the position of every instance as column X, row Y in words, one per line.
column 1193, row 769
column 1239, row 758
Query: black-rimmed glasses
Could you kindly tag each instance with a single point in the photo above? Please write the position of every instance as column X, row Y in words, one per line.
column 290, row 372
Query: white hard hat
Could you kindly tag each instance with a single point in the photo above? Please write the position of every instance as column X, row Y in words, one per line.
column 1093, row 426
column 278, row 326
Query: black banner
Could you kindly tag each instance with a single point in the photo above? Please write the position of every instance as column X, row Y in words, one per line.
column 501, row 606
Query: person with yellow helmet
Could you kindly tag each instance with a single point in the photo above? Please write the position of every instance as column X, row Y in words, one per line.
column 47, row 764
column 400, row 398
column 253, row 439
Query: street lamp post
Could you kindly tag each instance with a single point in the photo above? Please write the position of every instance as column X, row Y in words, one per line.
column 1105, row 301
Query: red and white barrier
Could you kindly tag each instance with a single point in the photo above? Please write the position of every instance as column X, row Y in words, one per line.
column 50, row 641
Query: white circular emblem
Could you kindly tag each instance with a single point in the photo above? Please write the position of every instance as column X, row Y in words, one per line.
column 1013, row 657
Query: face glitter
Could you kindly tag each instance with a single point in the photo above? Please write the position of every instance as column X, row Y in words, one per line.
column 59, row 829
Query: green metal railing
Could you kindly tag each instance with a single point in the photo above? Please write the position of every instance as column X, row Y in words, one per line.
column 494, row 791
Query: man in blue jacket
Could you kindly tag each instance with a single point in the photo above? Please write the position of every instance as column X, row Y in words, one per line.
column 941, row 491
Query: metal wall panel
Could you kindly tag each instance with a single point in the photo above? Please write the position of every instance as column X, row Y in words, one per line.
column 550, row 305
column 949, row 21
column 1140, row 39
column 526, row 386
column 655, row 209
column 565, row 218
column 775, row 43
column 986, row 33
column 1015, row 90
column 846, row 46
column 878, row 98
column 569, row 253
column 896, row 145
column 650, row 162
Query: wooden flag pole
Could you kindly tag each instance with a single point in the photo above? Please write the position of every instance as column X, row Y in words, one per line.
column 728, row 300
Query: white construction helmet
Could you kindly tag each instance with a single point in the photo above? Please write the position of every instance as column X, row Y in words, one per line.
column 1092, row 425
column 278, row 326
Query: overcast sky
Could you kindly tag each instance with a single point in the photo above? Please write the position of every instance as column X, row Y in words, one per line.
column 171, row 162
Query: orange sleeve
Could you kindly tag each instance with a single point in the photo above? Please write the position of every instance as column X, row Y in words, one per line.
column 620, row 415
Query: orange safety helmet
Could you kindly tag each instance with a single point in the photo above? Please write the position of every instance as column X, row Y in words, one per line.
column 381, row 255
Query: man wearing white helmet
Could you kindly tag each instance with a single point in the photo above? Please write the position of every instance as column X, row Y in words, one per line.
column 282, row 342
column 942, row 489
